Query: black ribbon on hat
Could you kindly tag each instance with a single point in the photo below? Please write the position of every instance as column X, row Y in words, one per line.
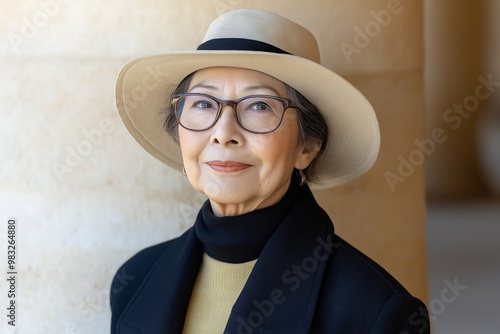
column 238, row 44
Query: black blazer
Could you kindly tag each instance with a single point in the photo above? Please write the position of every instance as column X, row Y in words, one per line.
column 306, row 280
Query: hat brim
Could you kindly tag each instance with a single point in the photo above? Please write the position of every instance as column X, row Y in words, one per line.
column 144, row 86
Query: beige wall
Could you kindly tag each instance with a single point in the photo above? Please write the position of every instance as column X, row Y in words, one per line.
column 80, row 217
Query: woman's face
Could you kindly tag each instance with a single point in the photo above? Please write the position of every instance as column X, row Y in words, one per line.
column 240, row 171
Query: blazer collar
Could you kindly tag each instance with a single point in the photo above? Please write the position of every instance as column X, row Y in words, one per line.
column 160, row 304
column 279, row 297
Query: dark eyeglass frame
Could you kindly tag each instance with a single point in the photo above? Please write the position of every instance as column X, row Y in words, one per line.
column 287, row 103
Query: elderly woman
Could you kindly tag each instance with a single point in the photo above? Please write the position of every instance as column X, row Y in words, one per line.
column 252, row 118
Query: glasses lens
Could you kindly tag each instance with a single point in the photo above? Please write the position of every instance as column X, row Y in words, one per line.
column 196, row 112
column 260, row 113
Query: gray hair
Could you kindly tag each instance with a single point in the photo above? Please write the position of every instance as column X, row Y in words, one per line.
column 312, row 125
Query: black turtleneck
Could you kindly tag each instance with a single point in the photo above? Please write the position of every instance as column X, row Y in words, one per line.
column 238, row 239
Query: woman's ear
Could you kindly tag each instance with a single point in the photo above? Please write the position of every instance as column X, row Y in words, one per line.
column 307, row 153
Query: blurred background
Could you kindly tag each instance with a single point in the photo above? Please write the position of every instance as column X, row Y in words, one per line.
column 86, row 196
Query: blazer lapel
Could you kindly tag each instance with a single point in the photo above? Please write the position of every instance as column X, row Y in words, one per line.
column 281, row 293
column 161, row 303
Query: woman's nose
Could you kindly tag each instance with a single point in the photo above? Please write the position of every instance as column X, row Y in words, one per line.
column 226, row 130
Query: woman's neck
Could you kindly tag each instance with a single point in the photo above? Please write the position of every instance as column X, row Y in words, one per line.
column 237, row 209
column 238, row 239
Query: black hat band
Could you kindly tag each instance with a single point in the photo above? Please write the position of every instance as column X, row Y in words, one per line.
column 238, row 44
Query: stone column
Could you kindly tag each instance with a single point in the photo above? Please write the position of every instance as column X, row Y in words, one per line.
column 378, row 46
column 455, row 67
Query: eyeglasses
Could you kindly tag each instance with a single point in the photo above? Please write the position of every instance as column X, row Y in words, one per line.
column 254, row 113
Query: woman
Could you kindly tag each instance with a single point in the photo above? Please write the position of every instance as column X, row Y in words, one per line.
column 253, row 117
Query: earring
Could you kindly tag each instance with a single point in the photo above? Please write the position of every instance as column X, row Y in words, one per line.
column 302, row 177
column 184, row 170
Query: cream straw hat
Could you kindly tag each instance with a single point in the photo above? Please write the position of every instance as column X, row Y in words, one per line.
column 269, row 43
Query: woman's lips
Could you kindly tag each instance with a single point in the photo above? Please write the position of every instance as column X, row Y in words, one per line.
column 228, row 166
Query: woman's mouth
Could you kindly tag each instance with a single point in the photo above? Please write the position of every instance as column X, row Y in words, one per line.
column 228, row 166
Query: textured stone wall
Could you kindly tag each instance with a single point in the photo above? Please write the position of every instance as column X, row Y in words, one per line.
column 87, row 196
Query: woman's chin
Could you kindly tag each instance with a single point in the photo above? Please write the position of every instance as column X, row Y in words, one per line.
column 227, row 196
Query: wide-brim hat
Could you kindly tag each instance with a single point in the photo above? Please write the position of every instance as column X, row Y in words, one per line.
column 265, row 42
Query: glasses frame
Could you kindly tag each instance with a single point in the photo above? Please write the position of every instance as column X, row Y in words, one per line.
column 287, row 103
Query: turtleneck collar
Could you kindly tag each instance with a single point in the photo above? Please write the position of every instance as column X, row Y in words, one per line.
column 238, row 239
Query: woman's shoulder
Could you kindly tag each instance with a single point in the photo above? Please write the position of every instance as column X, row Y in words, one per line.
column 356, row 287
column 141, row 262
column 145, row 258
column 360, row 270
column 134, row 271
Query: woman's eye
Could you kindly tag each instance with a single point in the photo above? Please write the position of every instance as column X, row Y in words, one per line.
column 203, row 105
column 259, row 106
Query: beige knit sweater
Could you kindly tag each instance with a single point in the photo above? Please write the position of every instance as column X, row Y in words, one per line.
column 217, row 287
